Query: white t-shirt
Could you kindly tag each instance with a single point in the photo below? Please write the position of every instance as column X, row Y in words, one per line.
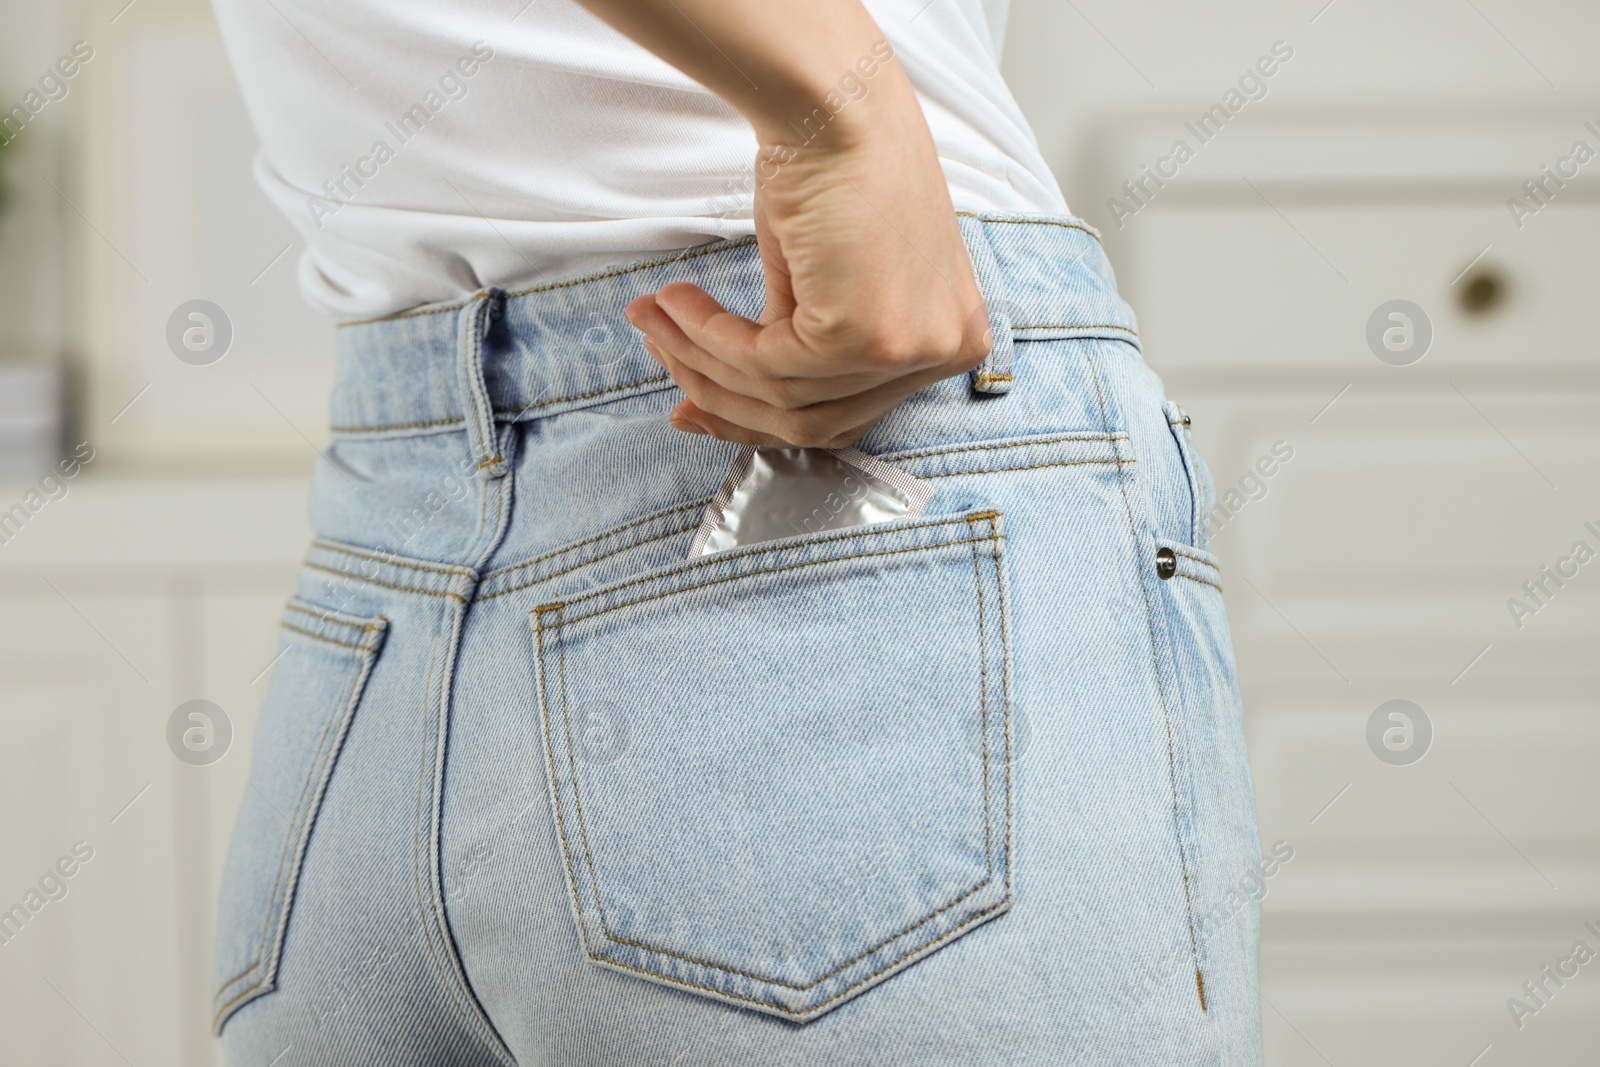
column 426, row 148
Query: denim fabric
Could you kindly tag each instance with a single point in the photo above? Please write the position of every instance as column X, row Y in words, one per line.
column 533, row 787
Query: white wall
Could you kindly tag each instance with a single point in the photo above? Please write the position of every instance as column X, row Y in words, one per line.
column 1378, row 563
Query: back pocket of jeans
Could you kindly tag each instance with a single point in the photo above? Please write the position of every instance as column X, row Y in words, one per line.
column 803, row 781
column 324, row 660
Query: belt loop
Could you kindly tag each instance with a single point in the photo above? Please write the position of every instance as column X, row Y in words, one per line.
column 993, row 375
column 473, row 326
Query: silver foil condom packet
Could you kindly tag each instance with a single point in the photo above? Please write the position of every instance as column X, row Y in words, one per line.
column 772, row 493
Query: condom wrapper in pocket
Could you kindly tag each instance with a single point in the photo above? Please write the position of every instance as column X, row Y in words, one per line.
column 772, row 493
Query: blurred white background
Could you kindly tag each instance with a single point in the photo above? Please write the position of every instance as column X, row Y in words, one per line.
column 1373, row 565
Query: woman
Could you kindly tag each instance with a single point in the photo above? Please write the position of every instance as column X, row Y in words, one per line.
column 533, row 786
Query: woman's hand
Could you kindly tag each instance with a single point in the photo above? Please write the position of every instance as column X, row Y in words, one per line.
column 870, row 292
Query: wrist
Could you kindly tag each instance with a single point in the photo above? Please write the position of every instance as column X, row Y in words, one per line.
column 835, row 104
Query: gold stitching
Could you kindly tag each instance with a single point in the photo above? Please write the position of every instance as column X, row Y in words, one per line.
column 302, row 812
column 549, row 747
column 377, row 556
column 1078, row 326
column 716, row 246
column 319, row 637
column 761, row 549
column 584, row 563
column 597, row 537
column 1026, row 467
column 586, row 396
column 327, row 615
column 1161, row 687
column 1029, row 442
column 506, row 411
column 983, row 698
column 278, row 877
column 386, row 585
column 947, row 935
column 559, row 609
column 735, row 577
column 1005, row 697
column 1031, row 222
column 396, row 426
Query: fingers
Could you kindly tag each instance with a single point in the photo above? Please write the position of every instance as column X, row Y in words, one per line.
column 720, row 361
column 702, row 339
column 737, row 417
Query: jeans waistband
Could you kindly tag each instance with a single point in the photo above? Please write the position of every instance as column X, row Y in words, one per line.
column 539, row 351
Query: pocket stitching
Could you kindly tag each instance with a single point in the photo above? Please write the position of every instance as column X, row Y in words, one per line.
column 595, row 559
column 328, row 640
column 386, row 585
column 294, row 843
column 287, row 850
column 1197, row 578
column 594, row 878
column 761, row 548
column 1028, row 467
column 664, row 513
column 558, row 610
column 1074, row 437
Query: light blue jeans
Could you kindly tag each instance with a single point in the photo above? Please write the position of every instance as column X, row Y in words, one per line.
column 532, row 787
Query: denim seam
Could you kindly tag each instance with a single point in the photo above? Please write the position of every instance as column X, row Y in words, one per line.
column 555, row 790
column 1161, row 691
column 1179, row 550
column 1032, row 222
column 1005, row 696
column 987, row 878
column 426, row 834
column 323, row 758
column 359, row 647
column 584, row 563
column 283, row 855
column 1078, row 326
column 719, row 246
column 319, row 637
column 598, row 537
column 559, row 611
column 386, row 585
column 701, row 503
column 1025, row 443
column 398, row 426
column 766, row 548
column 1184, row 445
column 427, row 852
column 507, row 413
column 324, row 617
column 983, row 701
column 390, row 559
column 1026, row 467
column 745, row 574
column 929, row 946
column 586, row 396
column 1197, row 578
column 577, row 794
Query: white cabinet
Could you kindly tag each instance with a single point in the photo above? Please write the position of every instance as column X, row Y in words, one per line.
column 1377, row 563
column 117, row 603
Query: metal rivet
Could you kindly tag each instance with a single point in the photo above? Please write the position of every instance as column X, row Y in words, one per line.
column 1166, row 563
